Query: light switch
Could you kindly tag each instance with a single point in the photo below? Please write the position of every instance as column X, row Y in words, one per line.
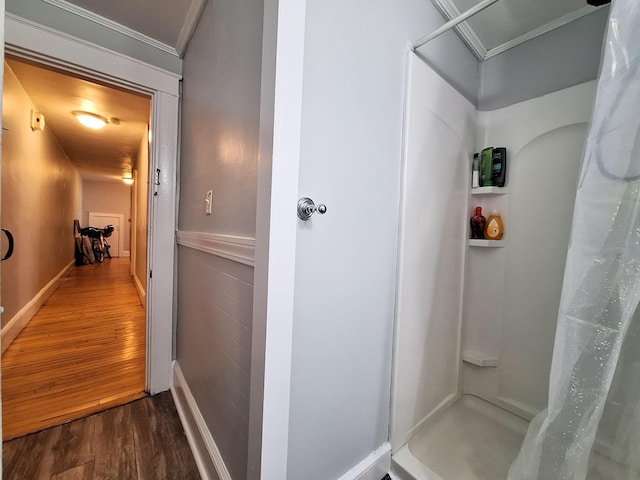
column 208, row 202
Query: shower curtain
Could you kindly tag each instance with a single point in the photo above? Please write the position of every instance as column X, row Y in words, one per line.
column 591, row 427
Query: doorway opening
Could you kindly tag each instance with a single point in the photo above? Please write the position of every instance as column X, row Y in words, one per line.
column 74, row 336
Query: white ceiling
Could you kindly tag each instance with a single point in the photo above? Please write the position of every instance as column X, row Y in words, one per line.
column 508, row 23
column 104, row 153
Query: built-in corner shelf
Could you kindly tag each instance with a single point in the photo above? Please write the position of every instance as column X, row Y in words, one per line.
column 474, row 242
column 479, row 359
column 489, row 191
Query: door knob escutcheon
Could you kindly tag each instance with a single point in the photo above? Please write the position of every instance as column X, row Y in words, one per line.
column 306, row 208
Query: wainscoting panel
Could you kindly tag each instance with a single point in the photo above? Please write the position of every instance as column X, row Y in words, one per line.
column 215, row 297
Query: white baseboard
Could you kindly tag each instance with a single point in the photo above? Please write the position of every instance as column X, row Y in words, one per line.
column 125, row 254
column 140, row 289
column 374, row 467
column 203, row 446
column 21, row 319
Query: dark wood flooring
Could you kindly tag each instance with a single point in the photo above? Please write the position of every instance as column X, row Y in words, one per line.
column 143, row 439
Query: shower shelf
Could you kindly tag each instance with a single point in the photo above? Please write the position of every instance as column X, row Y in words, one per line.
column 474, row 242
column 479, row 359
column 489, row 191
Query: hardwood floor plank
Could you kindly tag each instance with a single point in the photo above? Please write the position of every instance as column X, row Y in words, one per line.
column 83, row 352
column 140, row 440
column 154, row 420
column 114, row 450
column 32, row 457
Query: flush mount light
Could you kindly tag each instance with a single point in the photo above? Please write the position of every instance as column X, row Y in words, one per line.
column 128, row 178
column 90, row 120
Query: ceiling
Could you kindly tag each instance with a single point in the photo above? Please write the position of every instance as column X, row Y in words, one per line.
column 508, row 23
column 106, row 153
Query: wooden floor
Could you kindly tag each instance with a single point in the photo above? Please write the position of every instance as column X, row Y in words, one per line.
column 82, row 353
column 141, row 440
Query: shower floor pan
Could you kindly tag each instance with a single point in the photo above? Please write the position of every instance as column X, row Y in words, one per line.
column 474, row 440
column 470, row 440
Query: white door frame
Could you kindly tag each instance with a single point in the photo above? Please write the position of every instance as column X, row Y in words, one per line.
column 47, row 46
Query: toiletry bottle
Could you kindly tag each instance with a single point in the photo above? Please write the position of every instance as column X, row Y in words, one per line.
column 495, row 227
column 478, row 223
column 475, row 174
column 486, row 167
column 499, row 166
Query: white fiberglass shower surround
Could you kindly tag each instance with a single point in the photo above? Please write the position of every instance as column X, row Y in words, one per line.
column 476, row 325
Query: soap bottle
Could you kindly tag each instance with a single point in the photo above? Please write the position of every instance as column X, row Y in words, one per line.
column 475, row 174
column 495, row 227
column 478, row 223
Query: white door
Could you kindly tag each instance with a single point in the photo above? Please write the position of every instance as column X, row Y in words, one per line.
column 100, row 220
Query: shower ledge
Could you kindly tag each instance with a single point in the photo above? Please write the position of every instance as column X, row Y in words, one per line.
column 479, row 359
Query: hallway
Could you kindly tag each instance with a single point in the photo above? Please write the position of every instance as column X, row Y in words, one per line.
column 82, row 353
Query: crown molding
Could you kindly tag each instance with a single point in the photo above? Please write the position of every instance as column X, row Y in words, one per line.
column 111, row 25
column 448, row 9
column 189, row 25
column 547, row 27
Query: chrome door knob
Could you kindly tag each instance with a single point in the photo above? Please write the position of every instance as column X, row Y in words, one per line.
column 306, row 208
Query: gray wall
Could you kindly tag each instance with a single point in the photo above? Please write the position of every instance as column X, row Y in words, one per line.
column 221, row 100
column 562, row 58
column 40, row 200
column 46, row 14
column 351, row 148
column 220, row 123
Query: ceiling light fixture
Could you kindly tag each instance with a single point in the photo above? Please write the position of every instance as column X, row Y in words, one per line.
column 128, row 178
column 90, row 120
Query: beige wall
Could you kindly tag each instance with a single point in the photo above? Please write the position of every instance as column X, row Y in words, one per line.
column 40, row 199
column 108, row 197
column 140, row 220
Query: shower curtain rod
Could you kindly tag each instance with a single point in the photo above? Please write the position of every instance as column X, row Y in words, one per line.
column 452, row 23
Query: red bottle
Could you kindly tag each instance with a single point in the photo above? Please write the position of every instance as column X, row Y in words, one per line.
column 478, row 223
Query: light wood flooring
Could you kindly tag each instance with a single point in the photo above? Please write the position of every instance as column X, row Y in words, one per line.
column 82, row 353
column 142, row 440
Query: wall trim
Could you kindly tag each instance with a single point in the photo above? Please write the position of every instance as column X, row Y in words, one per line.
column 448, row 10
column 111, row 25
column 21, row 319
column 125, row 253
column 140, row 289
column 36, row 42
column 189, row 25
column 238, row 249
column 188, row 410
column 375, row 466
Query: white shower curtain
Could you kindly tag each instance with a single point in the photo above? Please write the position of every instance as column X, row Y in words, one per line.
column 591, row 428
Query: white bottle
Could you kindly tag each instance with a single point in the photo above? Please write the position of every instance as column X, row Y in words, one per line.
column 475, row 174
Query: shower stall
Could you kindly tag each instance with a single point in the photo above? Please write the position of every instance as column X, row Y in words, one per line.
column 496, row 342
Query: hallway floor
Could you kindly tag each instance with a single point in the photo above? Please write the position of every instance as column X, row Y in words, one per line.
column 141, row 440
column 82, row 353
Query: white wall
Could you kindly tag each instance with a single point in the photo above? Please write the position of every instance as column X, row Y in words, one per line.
column 440, row 130
column 512, row 294
column 351, row 144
